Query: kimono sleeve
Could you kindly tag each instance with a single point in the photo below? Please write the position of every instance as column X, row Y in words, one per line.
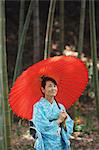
column 69, row 125
column 42, row 123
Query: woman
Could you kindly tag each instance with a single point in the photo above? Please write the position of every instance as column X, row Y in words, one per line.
column 51, row 121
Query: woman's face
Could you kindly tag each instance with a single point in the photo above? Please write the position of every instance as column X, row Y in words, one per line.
column 50, row 89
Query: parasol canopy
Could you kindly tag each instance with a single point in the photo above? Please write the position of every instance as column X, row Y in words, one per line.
column 69, row 72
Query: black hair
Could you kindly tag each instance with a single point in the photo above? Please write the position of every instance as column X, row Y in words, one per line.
column 45, row 79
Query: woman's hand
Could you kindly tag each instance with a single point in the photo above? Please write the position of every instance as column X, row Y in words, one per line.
column 62, row 117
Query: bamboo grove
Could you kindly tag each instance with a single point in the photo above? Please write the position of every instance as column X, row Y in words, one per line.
column 5, row 122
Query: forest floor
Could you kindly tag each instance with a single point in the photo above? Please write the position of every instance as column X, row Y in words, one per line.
column 86, row 138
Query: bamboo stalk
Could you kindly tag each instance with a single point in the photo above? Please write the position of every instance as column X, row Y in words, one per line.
column 49, row 29
column 94, row 52
column 6, row 145
column 7, row 120
column 21, row 19
column 22, row 40
column 21, row 24
column 62, row 25
column 80, row 43
column 1, row 83
column 36, row 32
column 81, row 27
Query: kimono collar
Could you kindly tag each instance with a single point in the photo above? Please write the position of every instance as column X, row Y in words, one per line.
column 46, row 101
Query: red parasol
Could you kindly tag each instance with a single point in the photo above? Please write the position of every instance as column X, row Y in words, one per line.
column 69, row 72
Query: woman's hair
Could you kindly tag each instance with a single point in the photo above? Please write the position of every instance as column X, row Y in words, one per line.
column 45, row 79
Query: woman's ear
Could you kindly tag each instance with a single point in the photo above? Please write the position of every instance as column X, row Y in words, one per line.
column 43, row 90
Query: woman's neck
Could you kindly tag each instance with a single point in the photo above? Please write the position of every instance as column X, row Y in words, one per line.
column 50, row 99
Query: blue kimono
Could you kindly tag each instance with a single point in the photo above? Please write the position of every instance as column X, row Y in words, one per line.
column 50, row 136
